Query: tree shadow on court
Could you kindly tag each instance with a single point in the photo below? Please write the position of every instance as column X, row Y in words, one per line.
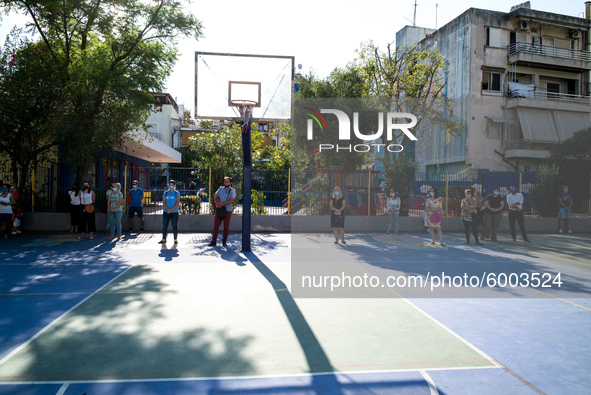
column 383, row 259
column 316, row 357
column 135, row 328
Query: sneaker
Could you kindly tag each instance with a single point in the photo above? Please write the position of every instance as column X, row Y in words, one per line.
column 224, row 244
column 526, row 240
column 141, row 229
column 19, row 232
column 479, row 243
column 163, row 241
column 387, row 232
column 176, row 241
column 396, row 233
column 569, row 231
column 212, row 244
column 13, row 233
column 560, row 231
column 130, row 230
column 484, row 238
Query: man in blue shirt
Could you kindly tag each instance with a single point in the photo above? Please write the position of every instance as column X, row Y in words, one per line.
column 137, row 196
column 566, row 202
column 171, row 199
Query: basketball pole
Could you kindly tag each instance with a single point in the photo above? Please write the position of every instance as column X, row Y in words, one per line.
column 246, row 185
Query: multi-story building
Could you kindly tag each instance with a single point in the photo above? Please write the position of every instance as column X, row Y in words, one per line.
column 519, row 82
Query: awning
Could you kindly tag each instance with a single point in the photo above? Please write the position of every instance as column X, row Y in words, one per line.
column 551, row 126
column 145, row 146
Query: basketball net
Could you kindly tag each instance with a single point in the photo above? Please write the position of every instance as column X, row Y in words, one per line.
column 245, row 108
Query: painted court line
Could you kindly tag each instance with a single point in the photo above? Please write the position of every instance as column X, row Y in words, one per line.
column 63, row 389
column 226, row 378
column 466, row 342
column 429, row 380
column 25, row 344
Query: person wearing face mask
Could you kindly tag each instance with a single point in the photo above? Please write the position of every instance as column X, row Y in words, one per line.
column 115, row 207
column 171, row 199
column 17, row 210
column 6, row 203
column 224, row 197
column 87, row 216
column 338, row 205
column 75, row 210
column 434, row 215
column 493, row 214
column 565, row 200
column 393, row 210
column 469, row 216
column 515, row 204
column 136, row 195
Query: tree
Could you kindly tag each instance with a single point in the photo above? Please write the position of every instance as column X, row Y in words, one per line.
column 108, row 56
column 408, row 80
column 569, row 164
column 32, row 97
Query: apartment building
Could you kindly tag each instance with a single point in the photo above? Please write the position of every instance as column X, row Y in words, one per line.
column 519, row 81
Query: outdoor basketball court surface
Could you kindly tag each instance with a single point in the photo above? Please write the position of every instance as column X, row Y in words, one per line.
column 133, row 317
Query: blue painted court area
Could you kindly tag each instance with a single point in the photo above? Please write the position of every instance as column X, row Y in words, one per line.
column 135, row 317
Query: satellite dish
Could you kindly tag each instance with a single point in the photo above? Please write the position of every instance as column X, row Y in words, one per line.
column 300, row 66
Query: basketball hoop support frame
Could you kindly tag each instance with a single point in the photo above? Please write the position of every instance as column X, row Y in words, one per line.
column 245, row 107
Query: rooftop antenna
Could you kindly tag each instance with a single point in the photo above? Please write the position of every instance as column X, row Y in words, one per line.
column 414, row 17
column 436, row 6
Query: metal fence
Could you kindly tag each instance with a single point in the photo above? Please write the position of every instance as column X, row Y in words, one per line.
column 305, row 192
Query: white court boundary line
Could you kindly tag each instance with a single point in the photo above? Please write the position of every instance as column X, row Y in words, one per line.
column 55, row 321
column 256, row 377
column 429, row 380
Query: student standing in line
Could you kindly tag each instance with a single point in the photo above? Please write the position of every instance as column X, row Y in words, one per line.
column 137, row 197
column 515, row 203
column 565, row 200
column 6, row 204
column 171, row 201
column 338, row 206
column 393, row 211
column 224, row 197
column 87, row 216
column 469, row 216
column 434, row 215
column 115, row 206
column 493, row 214
column 75, row 210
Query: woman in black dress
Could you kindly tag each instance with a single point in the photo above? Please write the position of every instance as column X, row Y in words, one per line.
column 338, row 206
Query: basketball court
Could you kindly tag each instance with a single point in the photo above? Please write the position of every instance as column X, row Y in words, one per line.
column 135, row 317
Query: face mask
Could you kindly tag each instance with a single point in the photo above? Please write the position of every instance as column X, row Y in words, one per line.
column 11, row 188
column 565, row 189
column 468, row 196
column 86, row 187
column 392, row 194
column 496, row 193
column 430, row 193
column 134, row 187
column 3, row 190
column 336, row 193
column 513, row 190
column 114, row 189
column 171, row 188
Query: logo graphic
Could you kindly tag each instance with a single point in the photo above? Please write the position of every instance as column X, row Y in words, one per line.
column 316, row 115
column 392, row 119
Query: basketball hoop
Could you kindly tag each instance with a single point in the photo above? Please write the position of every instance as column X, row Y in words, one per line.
column 245, row 108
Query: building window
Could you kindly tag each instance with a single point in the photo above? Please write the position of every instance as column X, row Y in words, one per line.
column 494, row 37
column 491, row 81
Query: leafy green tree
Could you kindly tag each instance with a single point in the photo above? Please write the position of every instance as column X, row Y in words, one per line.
column 408, row 80
column 32, row 98
column 108, row 56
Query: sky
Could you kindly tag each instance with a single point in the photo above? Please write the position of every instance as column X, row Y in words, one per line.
column 320, row 34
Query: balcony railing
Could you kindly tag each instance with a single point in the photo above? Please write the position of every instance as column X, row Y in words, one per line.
column 546, row 50
column 542, row 94
column 521, row 144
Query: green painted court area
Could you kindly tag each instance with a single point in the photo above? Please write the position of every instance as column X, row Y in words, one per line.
column 210, row 317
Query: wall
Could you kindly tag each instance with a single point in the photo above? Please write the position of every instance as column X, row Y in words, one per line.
column 286, row 224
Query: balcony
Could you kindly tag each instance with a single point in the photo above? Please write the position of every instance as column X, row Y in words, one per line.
column 541, row 98
column 524, row 149
column 549, row 57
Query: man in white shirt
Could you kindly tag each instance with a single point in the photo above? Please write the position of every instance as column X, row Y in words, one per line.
column 392, row 210
column 515, row 203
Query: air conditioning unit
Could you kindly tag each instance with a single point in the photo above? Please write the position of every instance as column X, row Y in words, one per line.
column 524, row 25
column 574, row 34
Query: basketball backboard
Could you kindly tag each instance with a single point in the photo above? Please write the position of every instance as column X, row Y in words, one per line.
column 221, row 78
